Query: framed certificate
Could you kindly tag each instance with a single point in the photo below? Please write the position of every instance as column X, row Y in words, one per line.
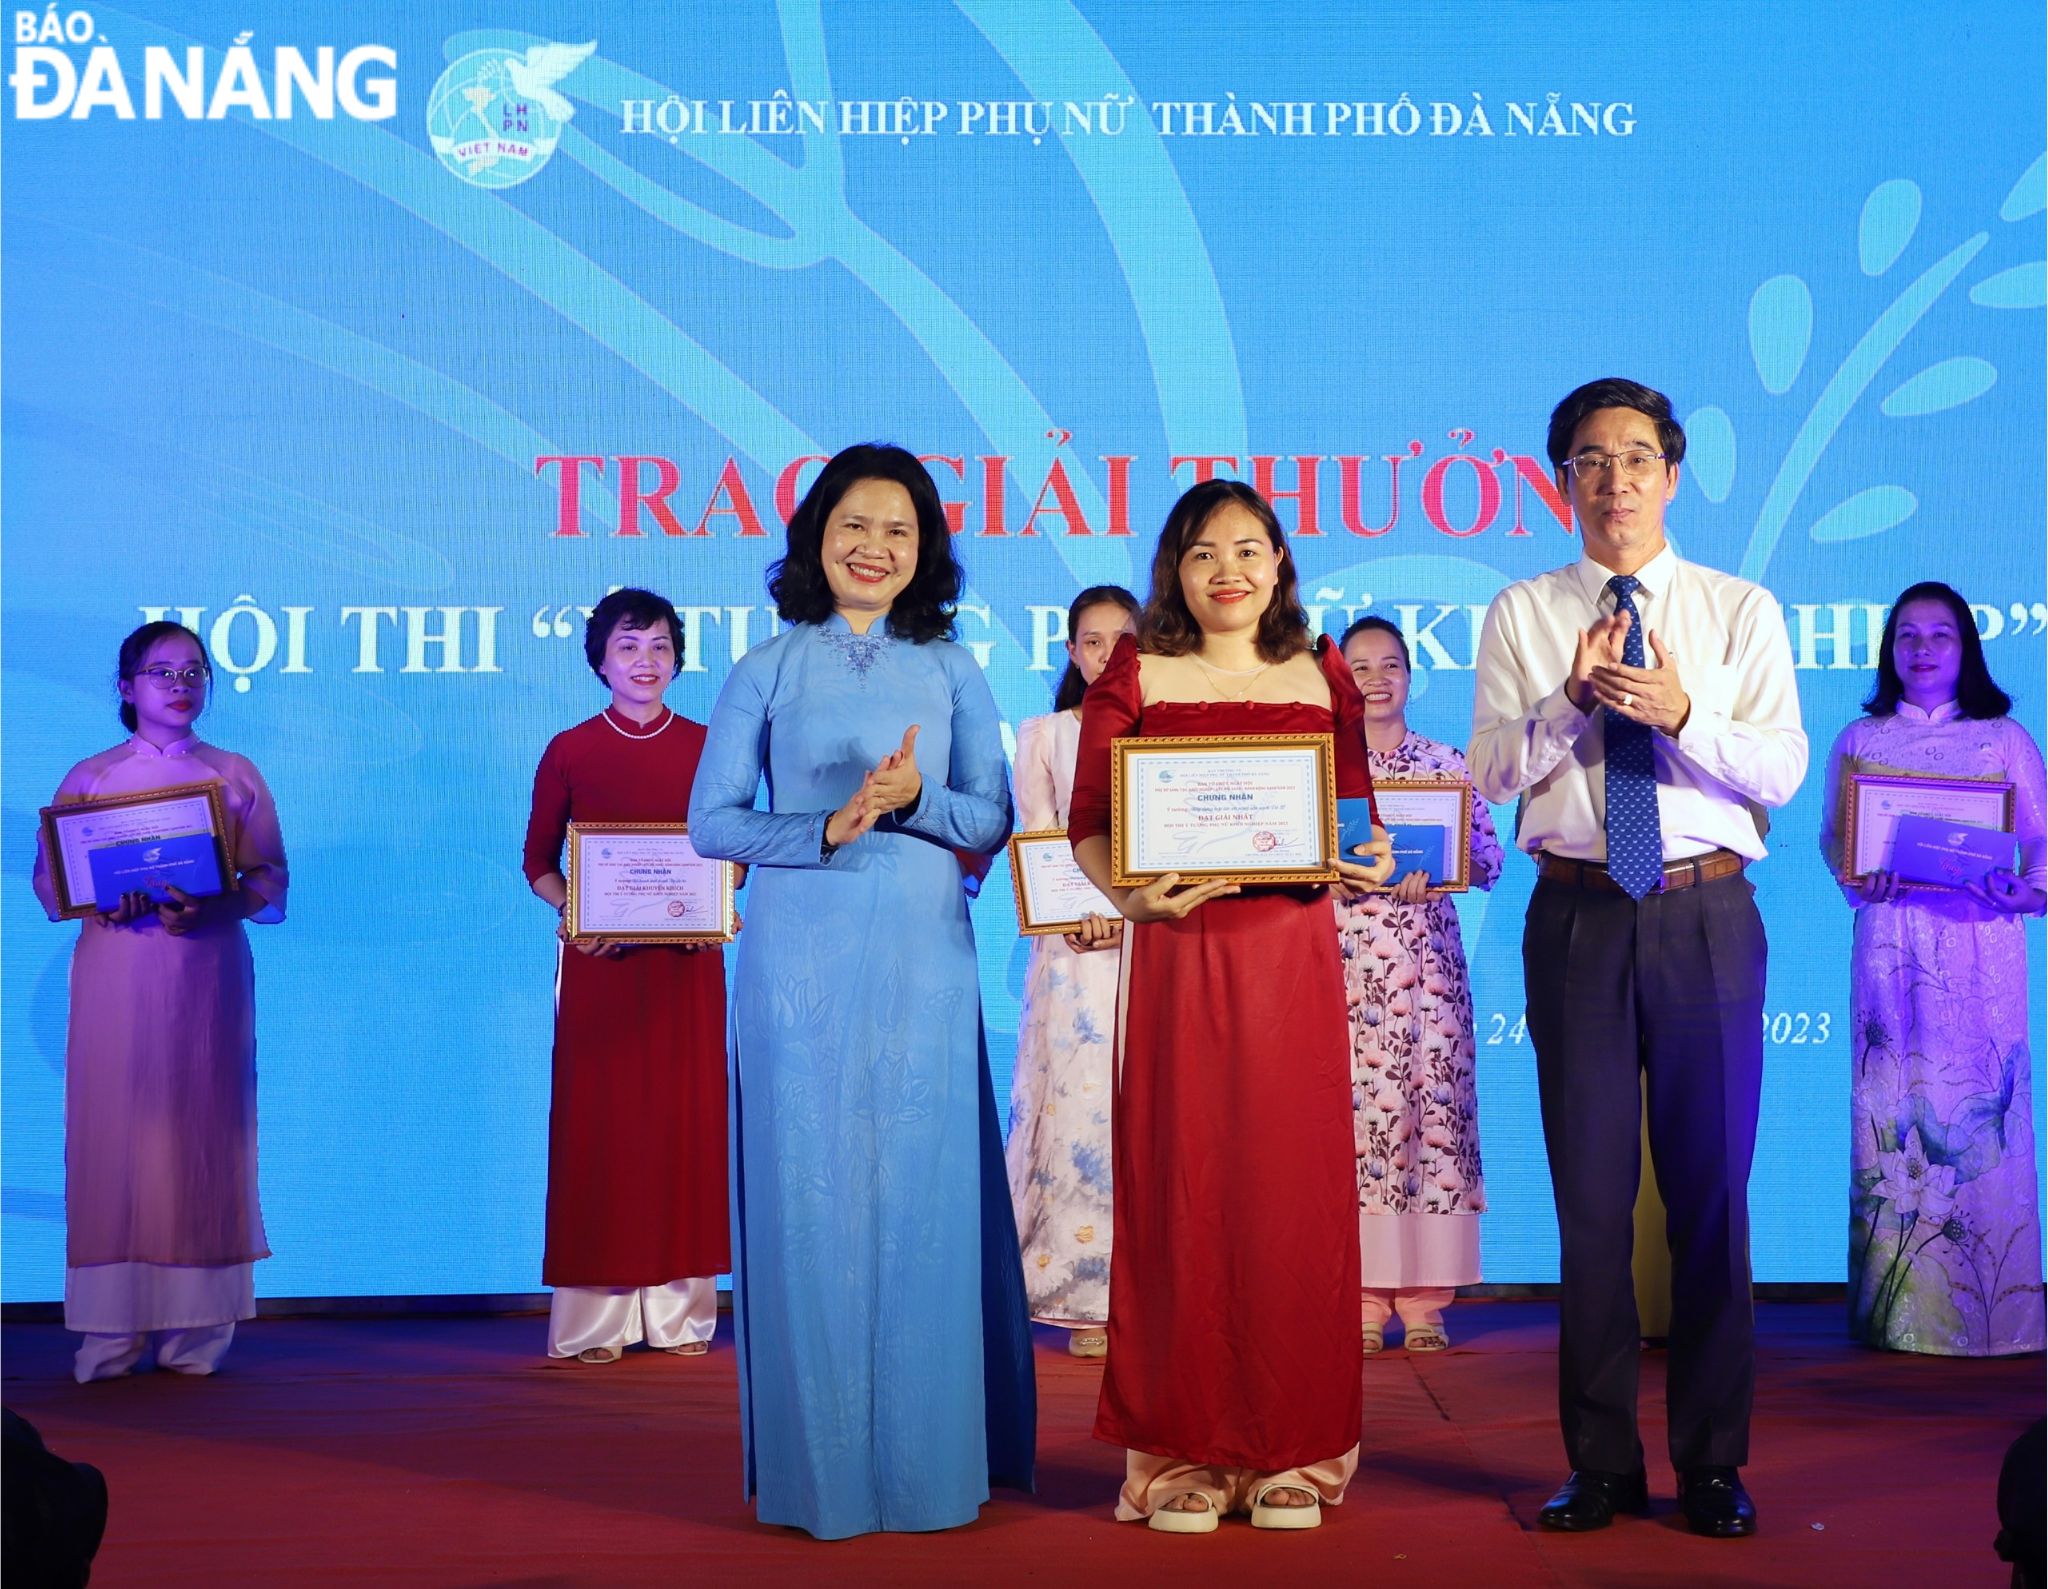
column 1430, row 821
column 1251, row 808
column 1053, row 894
column 111, row 845
column 644, row 882
column 1875, row 803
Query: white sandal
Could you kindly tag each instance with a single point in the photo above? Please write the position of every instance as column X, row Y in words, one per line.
column 1264, row 1516
column 600, row 1354
column 1202, row 1522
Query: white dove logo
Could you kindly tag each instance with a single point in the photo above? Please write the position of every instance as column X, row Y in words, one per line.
column 495, row 115
column 546, row 65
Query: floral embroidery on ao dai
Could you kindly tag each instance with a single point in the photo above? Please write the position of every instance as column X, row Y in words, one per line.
column 1944, row 1210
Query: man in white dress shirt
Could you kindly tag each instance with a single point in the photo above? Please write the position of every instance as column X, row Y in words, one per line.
column 1642, row 710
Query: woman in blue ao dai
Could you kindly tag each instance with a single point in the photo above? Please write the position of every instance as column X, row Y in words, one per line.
column 884, row 1352
column 1059, row 1148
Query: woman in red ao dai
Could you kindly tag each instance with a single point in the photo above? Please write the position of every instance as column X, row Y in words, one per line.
column 636, row 1215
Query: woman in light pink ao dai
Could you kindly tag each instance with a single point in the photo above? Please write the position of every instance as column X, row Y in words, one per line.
column 160, row 1065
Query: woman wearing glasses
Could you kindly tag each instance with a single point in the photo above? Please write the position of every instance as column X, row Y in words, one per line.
column 160, row 1065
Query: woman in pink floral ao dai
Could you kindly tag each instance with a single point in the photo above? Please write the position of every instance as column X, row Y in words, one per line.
column 1415, row 1103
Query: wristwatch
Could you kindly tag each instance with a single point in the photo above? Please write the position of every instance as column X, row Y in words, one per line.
column 826, row 848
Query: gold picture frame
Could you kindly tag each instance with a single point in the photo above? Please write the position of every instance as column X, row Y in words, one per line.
column 1458, row 838
column 1031, row 921
column 1977, row 802
column 1130, row 868
column 577, row 872
column 75, row 897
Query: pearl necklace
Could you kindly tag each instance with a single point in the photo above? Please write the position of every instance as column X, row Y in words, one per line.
column 606, row 714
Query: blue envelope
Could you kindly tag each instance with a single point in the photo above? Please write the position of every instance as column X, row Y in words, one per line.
column 1929, row 850
column 1416, row 849
column 191, row 861
column 1354, row 826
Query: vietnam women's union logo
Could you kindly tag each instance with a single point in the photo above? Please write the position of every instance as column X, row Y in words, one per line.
column 494, row 117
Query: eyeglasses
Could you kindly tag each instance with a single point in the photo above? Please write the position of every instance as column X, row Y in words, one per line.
column 1592, row 467
column 164, row 678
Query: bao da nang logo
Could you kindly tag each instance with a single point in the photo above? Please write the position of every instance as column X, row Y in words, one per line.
column 191, row 82
column 494, row 117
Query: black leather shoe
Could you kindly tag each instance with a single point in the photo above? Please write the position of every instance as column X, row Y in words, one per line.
column 1715, row 1503
column 1589, row 1500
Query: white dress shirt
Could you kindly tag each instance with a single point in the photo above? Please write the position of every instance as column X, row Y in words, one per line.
column 1741, row 750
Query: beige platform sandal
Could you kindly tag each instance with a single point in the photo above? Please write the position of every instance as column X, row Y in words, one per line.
column 1178, row 1522
column 1264, row 1516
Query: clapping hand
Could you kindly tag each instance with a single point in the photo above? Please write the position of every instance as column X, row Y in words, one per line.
column 854, row 818
column 1655, row 696
column 1597, row 647
column 896, row 783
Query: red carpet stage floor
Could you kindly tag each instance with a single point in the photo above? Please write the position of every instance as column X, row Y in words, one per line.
column 447, row 1451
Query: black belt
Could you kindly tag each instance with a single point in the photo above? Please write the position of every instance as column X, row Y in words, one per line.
column 1708, row 868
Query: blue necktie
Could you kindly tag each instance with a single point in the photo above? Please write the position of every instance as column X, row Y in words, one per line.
column 1635, row 837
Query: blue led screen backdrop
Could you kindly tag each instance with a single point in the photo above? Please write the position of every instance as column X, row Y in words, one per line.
column 379, row 346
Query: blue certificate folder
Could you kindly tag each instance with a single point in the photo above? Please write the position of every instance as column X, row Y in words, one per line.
column 1929, row 850
column 191, row 861
column 1416, row 848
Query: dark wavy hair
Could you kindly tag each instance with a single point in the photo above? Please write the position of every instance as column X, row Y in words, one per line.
column 630, row 608
column 1373, row 621
column 136, row 648
column 1166, row 628
column 796, row 580
column 1977, row 694
column 1072, row 686
column 1613, row 392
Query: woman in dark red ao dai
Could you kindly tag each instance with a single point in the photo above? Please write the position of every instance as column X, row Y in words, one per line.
column 1232, row 1376
column 636, row 1214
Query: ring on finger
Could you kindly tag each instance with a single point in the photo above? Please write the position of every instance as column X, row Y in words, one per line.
column 1627, row 698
